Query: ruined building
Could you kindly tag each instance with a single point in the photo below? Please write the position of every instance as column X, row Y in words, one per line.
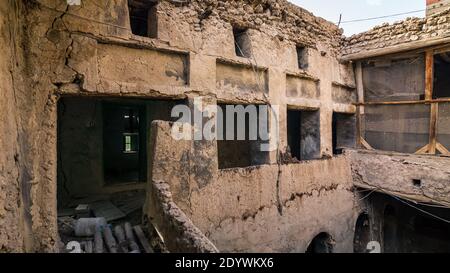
column 361, row 157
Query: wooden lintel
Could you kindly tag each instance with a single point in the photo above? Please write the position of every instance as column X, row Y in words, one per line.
column 443, row 100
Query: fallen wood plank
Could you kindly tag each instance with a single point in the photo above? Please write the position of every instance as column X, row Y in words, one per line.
column 142, row 239
column 131, row 239
column 129, row 232
column 109, row 240
column 120, row 236
column 107, row 210
column 98, row 242
column 88, row 247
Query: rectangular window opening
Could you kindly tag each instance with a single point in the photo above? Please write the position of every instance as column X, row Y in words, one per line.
column 303, row 130
column 240, row 153
column 143, row 18
column 302, row 57
column 344, row 132
column 242, row 42
column 122, row 133
column 441, row 85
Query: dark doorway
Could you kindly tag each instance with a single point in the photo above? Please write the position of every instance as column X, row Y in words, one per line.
column 344, row 132
column 441, row 86
column 303, row 132
column 362, row 234
column 390, row 228
column 124, row 143
column 102, row 142
column 322, row 243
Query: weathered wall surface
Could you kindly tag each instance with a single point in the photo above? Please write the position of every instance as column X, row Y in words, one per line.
column 169, row 177
column 248, row 211
column 67, row 51
column 420, row 178
column 256, row 209
column 11, row 208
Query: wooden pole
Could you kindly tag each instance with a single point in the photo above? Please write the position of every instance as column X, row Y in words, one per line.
column 360, row 107
column 429, row 79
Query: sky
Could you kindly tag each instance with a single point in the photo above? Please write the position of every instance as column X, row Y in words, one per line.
column 360, row 9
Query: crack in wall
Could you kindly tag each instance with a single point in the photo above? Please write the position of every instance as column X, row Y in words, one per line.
column 252, row 214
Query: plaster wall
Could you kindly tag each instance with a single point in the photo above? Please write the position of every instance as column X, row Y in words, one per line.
column 83, row 50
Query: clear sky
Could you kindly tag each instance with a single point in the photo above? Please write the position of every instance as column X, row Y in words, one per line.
column 359, row 9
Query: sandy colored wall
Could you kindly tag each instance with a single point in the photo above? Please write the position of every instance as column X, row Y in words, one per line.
column 246, row 211
column 395, row 173
column 63, row 53
column 11, row 217
column 255, row 209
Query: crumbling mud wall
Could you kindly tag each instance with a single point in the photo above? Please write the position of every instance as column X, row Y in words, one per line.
column 261, row 212
column 181, row 235
column 416, row 177
column 11, row 205
column 267, row 208
column 66, row 51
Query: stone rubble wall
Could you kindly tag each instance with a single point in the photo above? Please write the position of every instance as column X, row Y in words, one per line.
column 402, row 32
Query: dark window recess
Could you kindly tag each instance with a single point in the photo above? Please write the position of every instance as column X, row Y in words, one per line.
column 123, row 136
column 417, row 182
column 441, row 84
column 242, row 42
column 143, row 18
column 302, row 57
column 344, row 132
column 303, row 128
column 293, row 129
column 131, row 133
column 240, row 153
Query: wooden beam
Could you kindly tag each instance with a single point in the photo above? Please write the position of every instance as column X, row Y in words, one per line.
column 442, row 149
column 443, row 100
column 433, row 127
column 359, row 109
column 429, row 64
column 429, row 79
column 423, row 150
column 418, row 45
column 365, row 144
column 359, row 130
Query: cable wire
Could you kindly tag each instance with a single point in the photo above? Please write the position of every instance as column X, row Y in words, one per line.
column 381, row 17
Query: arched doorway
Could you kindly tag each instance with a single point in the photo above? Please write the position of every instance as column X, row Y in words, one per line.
column 322, row 243
column 362, row 234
